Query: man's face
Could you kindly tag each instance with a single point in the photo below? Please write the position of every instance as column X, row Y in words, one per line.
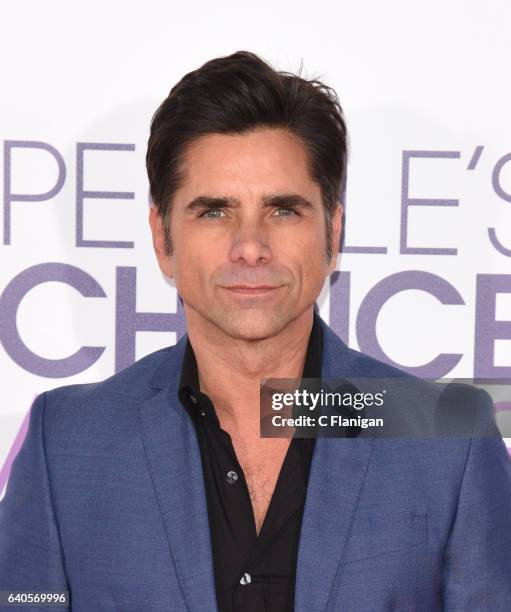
column 248, row 233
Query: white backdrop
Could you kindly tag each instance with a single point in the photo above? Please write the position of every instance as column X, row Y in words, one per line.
column 426, row 95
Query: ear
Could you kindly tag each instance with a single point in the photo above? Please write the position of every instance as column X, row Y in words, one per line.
column 164, row 261
column 336, row 236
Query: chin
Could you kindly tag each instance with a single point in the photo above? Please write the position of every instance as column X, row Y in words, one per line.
column 251, row 325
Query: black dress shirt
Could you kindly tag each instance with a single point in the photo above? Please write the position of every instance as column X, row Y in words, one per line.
column 253, row 573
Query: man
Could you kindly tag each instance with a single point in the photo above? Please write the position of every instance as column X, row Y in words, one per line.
column 153, row 490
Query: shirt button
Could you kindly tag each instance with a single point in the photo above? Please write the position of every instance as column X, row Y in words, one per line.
column 246, row 579
column 193, row 399
column 231, row 478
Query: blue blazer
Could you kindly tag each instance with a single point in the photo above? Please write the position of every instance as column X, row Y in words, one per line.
column 106, row 500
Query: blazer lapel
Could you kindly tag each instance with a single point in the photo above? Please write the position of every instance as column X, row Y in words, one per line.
column 336, row 476
column 174, row 460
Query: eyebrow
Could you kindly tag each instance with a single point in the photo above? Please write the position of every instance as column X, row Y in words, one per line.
column 279, row 200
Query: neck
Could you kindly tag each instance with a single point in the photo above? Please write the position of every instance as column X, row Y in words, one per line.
column 230, row 369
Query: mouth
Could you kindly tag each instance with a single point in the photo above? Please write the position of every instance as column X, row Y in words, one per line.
column 252, row 289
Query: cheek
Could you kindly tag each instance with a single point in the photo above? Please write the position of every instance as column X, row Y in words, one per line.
column 308, row 258
column 311, row 249
column 194, row 263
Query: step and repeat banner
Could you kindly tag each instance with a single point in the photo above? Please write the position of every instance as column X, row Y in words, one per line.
column 424, row 277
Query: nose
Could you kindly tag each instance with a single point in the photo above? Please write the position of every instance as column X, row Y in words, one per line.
column 250, row 246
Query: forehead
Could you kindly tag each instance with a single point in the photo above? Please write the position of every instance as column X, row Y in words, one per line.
column 265, row 159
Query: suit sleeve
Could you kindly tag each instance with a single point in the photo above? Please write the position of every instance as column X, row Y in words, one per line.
column 477, row 570
column 31, row 556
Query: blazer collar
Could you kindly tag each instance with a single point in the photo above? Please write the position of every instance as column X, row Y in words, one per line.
column 336, row 476
column 175, row 466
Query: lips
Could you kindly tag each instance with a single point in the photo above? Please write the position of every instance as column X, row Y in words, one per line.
column 251, row 289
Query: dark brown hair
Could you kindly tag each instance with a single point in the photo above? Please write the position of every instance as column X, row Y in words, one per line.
column 236, row 94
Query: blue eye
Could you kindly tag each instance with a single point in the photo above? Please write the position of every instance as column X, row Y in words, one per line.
column 287, row 209
column 211, row 210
